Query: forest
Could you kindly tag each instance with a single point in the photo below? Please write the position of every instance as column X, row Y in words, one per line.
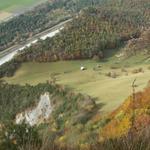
column 76, row 122
column 18, row 29
column 68, row 107
column 89, row 35
column 94, row 30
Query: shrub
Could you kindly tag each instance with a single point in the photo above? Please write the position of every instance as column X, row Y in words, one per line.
column 15, row 137
column 139, row 70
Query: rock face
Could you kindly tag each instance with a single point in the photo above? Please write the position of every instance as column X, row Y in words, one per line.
column 38, row 114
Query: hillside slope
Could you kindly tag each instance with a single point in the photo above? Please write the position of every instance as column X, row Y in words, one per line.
column 133, row 115
column 90, row 34
column 139, row 45
column 69, row 110
column 44, row 16
column 75, row 121
column 93, row 31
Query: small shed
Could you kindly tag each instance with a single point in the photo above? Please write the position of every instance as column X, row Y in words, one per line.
column 82, row 68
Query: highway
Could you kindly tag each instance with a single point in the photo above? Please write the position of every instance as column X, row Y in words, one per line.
column 8, row 54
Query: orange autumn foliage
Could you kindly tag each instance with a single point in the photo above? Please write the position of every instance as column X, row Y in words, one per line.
column 121, row 118
column 116, row 128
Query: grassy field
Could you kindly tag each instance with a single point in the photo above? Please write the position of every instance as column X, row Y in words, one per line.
column 109, row 91
column 8, row 8
column 4, row 15
column 11, row 5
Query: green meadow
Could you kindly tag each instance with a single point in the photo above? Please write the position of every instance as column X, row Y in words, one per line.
column 11, row 5
column 9, row 8
column 93, row 81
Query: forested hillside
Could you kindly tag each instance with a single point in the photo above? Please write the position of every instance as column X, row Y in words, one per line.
column 88, row 35
column 94, row 30
column 24, row 97
column 76, row 121
column 134, row 113
column 42, row 17
column 70, row 111
column 139, row 45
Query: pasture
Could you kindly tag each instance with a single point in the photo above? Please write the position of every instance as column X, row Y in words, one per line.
column 10, row 8
column 94, row 81
column 4, row 15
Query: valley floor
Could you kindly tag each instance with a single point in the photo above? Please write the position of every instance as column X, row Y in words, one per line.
column 94, row 81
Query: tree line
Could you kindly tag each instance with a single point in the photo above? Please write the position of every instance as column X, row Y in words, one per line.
column 73, row 115
column 18, row 29
column 95, row 29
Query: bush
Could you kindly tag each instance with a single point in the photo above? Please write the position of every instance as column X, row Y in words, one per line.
column 139, row 70
column 15, row 137
column 112, row 74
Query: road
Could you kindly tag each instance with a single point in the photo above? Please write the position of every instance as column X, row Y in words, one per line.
column 9, row 53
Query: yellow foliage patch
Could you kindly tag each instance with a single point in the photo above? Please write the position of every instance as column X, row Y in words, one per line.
column 116, row 128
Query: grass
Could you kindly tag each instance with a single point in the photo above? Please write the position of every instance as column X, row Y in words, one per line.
column 9, row 8
column 11, row 5
column 109, row 91
column 4, row 15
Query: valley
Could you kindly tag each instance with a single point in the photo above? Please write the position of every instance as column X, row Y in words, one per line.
column 111, row 91
column 75, row 75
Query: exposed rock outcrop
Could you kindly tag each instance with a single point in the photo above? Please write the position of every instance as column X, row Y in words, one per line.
column 38, row 114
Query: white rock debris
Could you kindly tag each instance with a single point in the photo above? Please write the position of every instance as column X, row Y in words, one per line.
column 38, row 114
